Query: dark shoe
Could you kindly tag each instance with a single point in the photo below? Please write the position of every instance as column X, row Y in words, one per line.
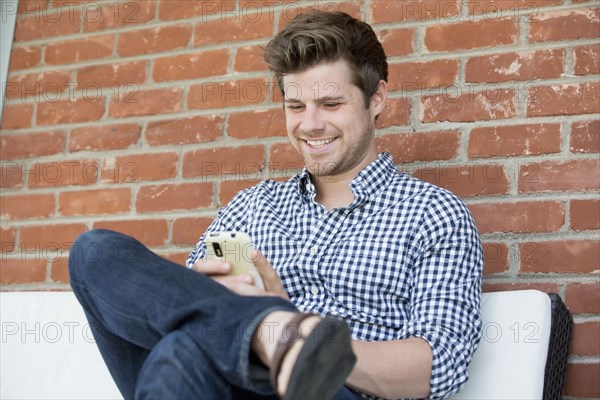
column 324, row 362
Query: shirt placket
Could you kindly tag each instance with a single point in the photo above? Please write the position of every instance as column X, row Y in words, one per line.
column 322, row 231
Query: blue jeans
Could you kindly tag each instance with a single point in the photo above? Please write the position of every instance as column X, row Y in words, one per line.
column 167, row 332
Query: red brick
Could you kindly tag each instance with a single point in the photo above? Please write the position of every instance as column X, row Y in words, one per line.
column 71, row 3
column 240, row 161
column 78, row 50
column 191, row 66
column 228, row 94
column 59, row 269
column 187, row 231
column 19, row 271
column 585, row 137
column 293, row 9
column 471, row 34
column 283, row 157
column 407, row 147
column 151, row 232
column 95, row 202
column 8, row 236
column 585, row 214
column 564, row 25
column 186, row 196
column 50, row 237
column 62, row 173
column 69, row 111
column 233, row 29
column 587, row 59
column 503, row 287
column 148, row 102
column 47, row 25
column 582, row 98
column 468, row 180
column 573, row 175
column 27, row 206
column 105, row 137
column 11, row 175
column 531, row 139
column 560, row 256
column 177, row 257
column 495, row 258
column 25, row 57
column 117, row 15
column 154, row 40
column 408, row 11
column 422, row 75
column 515, row 8
column 585, row 339
column 541, row 64
column 396, row 113
column 27, row 6
column 112, row 75
column 199, row 129
column 228, row 189
column 31, row 145
column 520, row 217
column 581, row 380
column 182, row 9
column 397, row 42
column 469, row 107
column 45, row 86
column 249, row 59
column 583, row 298
column 140, row 167
column 257, row 124
column 17, row 116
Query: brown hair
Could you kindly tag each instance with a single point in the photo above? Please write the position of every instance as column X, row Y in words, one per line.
column 316, row 37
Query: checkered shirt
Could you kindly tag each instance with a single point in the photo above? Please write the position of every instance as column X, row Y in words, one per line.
column 403, row 260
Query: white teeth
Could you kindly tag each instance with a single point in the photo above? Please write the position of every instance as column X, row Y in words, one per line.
column 319, row 143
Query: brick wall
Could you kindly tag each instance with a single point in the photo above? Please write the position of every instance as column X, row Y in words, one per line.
column 147, row 116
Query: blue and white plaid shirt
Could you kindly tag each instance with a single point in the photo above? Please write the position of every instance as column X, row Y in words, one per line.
column 402, row 260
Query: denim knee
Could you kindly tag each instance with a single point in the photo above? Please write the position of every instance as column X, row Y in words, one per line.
column 86, row 250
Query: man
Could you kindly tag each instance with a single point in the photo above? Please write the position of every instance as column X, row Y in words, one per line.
column 349, row 238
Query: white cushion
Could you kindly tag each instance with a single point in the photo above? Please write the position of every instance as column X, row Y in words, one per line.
column 511, row 358
column 48, row 351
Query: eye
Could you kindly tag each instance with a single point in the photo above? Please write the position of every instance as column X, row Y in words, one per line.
column 295, row 107
column 331, row 106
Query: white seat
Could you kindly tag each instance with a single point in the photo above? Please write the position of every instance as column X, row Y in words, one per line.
column 511, row 358
column 48, row 352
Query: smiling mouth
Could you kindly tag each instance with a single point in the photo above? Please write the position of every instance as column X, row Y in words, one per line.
column 319, row 143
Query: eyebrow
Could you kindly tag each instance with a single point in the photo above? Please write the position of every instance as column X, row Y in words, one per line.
column 321, row 100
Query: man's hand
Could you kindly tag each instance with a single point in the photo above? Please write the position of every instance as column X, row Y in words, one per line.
column 243, row 284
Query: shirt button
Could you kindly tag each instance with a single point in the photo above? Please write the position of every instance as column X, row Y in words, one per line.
column 314, row 250
column 314, row 290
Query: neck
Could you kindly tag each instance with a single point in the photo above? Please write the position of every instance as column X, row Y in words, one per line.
column 334, row 191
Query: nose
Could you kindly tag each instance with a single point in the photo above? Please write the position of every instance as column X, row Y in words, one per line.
column 312, row 120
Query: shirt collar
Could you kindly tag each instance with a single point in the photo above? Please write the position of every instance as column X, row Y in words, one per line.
column 369, row 181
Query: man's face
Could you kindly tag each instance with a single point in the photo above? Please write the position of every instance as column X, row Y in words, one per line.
column 327, row 121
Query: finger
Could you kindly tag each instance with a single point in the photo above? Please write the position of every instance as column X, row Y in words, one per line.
column 212, row 266
column 242, row 285
column 269, row 275
column 262, row 264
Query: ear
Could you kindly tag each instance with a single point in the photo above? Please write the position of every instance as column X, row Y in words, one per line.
column 379, row 98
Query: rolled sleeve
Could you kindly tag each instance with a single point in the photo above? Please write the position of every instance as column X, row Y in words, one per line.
column 446, row 295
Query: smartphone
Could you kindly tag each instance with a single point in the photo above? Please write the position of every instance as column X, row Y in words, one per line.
column 235, row 247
